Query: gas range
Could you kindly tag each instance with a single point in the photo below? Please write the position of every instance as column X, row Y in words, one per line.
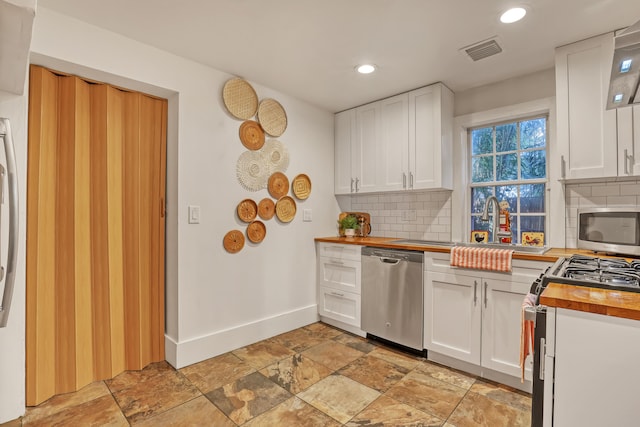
column 608, row 273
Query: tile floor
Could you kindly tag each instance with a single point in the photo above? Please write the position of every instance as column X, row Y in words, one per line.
column 313, row 376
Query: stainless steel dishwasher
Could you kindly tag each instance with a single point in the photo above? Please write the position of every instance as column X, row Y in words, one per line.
column 392, row 295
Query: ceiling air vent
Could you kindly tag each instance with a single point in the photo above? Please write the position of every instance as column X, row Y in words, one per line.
column 483, row 49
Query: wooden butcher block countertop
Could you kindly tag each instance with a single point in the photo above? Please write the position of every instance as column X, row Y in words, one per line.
column 592, row 300
column 580, row 298
column 387, row 242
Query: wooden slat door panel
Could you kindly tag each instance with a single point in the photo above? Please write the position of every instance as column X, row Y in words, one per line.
column 95, row 232
column 41, row 254
column 82, row 237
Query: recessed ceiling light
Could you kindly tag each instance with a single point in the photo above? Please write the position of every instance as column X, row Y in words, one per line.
column 513, row 15
column 366, row 68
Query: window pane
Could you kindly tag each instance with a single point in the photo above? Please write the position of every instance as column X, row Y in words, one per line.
column 482, row 141
column 533, row 164
column 532, row 198
column 510, row 194
column 533, row 133
column 506, row 137
column 515, row 237
column 507, row 167
column 532, row 223
column 477, row 224
column 482, row 169
column 478, row 197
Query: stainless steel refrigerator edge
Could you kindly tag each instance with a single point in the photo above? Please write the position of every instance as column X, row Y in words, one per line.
column 8, row 273
column 392, row 295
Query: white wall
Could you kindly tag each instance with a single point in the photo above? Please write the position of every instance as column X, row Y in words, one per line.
column 215, row 301
column 538, row 85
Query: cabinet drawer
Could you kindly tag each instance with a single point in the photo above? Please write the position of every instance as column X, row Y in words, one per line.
column 342, row 275
column 339, row 305
column 338, row 251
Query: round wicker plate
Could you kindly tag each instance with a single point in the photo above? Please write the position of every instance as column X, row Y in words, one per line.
column 301, row 186
column 278, row 185
column 252, row 170
column 276, row 156
column 256, row 231
column 286, row 209
column 251, row 135
column 247, row 210
column 233, row 241
column 266, row 208
column 240, row 98
column 272, row 117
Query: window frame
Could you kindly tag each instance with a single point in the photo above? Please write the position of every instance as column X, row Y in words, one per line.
column 469, row 214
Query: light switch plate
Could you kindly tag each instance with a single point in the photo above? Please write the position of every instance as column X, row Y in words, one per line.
column 194, row 214
column 306, row 215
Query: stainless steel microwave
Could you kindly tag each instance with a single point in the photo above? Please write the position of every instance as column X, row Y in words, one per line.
column 615, row 230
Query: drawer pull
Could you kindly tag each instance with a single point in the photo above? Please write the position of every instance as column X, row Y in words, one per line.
column 338, row 294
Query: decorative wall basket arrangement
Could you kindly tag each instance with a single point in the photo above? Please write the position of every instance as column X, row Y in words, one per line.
column 263, row 165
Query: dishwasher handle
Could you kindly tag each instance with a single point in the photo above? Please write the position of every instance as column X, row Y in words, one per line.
column 386, row 260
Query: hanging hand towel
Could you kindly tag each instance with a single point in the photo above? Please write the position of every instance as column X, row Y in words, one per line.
column 482, row 258
column 526, row 335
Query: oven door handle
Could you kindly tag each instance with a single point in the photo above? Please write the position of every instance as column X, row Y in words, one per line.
column 542, row 353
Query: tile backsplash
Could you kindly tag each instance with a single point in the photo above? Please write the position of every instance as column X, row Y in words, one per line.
column 598, row 194
column 413, row 215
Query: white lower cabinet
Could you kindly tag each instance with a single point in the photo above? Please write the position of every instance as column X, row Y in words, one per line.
column 339, row 285
column 591, row 367
column 452, row 318
column 474, row 316
column 339, row 305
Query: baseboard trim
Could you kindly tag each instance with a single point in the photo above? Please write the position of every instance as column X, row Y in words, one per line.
column 188, row 352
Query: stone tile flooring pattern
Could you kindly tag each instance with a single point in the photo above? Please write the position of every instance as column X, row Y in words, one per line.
column 313, row 376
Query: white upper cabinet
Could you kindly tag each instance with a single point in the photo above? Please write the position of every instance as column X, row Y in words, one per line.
column 392, row 155
column 399, row 143
column 629, row 141
column 344, row 142
column 587, row 133
column 431, row 138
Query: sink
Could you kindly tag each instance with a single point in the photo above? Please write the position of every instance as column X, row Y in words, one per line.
column 417, row 242
column 537, row 250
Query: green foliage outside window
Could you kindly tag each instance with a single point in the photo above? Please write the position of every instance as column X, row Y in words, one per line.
column 510, row 161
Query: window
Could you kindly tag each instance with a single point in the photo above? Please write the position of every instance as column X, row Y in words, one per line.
column 509, row 161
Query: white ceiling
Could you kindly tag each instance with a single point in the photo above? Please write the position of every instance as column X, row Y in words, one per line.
column 309, row 48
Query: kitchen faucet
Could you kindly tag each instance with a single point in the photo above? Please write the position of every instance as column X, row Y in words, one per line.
column 496, row 218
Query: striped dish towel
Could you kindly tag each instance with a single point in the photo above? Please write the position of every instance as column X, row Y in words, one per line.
column 481, row 258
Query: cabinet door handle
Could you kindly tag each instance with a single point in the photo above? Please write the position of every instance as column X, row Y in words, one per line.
column 335, row 262
column 475, row 292
column 626, row 161
column 410, row 179
column 563, row 167
column 485, row 294
column 352, row 181
column 357, row 187
column 338, row 294
column 404, row 180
